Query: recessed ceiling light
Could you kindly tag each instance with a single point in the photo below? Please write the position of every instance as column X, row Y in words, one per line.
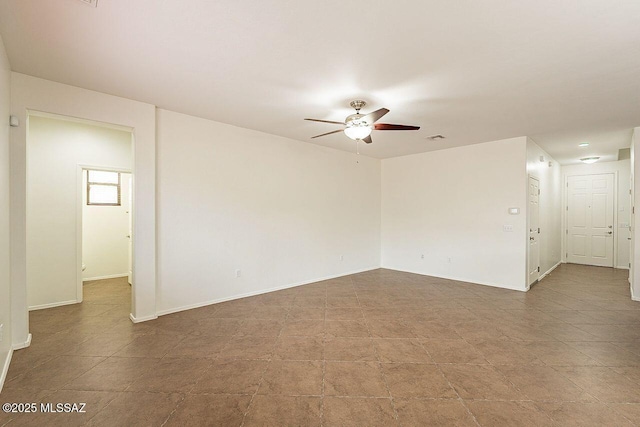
column 589, row 160
column 583, row 144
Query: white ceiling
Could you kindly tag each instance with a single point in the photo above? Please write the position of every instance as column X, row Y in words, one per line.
column 561, row 72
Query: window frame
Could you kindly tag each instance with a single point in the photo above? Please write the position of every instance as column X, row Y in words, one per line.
column 118, row 186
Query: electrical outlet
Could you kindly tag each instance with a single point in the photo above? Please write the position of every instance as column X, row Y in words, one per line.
column 341, row 257
column 449, row 260
column 238, row 273
column 422, row 256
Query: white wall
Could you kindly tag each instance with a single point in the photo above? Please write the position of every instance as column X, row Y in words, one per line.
column 451, row 205
column 279, row 210
column 550, row 202
column 622, row 216
column 5, row 279
column 34, row 94
column 105, row 245
column 56, row 149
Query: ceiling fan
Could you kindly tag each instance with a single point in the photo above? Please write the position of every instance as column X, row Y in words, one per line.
column 359, row 126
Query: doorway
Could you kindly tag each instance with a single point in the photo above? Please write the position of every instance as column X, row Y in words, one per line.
column 59, row 148
column 590, row 219
column 105, row 238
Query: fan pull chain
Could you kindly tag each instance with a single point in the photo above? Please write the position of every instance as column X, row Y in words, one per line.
column 357, row 151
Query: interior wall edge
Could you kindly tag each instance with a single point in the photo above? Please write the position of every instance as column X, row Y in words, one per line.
column 5, row 368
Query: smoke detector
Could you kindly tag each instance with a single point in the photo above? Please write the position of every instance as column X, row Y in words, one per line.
column 92, row 3
column 435, row 137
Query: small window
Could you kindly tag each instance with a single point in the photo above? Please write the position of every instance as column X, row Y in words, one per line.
column 103, row 188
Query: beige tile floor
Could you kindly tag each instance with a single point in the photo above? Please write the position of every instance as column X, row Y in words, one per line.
column 378, row 348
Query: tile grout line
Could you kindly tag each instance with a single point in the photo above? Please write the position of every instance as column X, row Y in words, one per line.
column 459, row 398
column 378, row 360
column 195, row 384
column 495, row 367
column 275, row 344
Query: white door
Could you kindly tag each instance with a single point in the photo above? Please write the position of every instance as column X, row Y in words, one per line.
column 534, row 230
column 590, row 219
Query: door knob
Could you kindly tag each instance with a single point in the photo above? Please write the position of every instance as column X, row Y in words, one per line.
column 609, row 232
column 531, row 238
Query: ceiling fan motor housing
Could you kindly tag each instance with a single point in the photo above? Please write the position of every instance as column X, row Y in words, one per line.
column 357, row 104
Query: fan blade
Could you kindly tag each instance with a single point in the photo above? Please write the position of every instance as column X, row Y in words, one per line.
column 375, row 116
column 328, row 133
column 368, row 139
column 325, row 121
column 387, row 126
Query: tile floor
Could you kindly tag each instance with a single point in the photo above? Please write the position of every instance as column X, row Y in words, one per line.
column 379, row 348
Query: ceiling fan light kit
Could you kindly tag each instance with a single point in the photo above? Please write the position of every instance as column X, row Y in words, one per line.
column 359, row 126
column 357, row 131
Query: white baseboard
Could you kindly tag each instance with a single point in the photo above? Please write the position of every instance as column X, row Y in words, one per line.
column 5, row 368
column 461, row 279
column 111, row 276
column 53, row 304
column 622, row 267
column 141, row 319
column 546, row 273
column 22, row 345
column 260, row 292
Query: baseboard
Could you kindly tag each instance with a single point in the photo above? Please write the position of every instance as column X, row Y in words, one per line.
column 546, row 273
column 260, row 292
column 53, row 304
column 141, row 319
column 622, row 267
column 461, row 279
column 111, row 276
column 5, row 368
column 22, row 345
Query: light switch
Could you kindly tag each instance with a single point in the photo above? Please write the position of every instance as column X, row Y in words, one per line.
column 507, row 228
column 514, row 211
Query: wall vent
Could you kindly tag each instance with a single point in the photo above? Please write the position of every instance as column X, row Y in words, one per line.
column 92, row 3
column 624, row 153
column 435, row 137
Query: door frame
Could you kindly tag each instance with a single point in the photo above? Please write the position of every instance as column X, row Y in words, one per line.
column 80, row 217
column 529, row 176
column 565, row 221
